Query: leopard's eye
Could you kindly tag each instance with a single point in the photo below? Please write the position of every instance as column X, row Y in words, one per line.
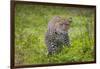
column 61, row 24
column 66, row 23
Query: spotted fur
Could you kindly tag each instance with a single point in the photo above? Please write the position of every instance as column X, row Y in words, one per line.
column 56, row 39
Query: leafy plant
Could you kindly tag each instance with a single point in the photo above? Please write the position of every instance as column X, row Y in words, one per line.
column 30, row 27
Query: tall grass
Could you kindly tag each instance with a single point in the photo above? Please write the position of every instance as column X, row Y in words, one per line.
column 31, row 25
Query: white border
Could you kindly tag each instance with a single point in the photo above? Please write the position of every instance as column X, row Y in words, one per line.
column 5, row 34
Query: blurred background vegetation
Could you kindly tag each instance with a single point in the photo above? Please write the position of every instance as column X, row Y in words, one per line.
column 31, row 25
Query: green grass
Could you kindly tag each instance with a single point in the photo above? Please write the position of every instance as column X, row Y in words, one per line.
column 31, row 25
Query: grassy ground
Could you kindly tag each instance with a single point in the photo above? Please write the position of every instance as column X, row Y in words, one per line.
column 30, row 28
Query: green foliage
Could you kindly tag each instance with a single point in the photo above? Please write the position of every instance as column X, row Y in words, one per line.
column 30, row 28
